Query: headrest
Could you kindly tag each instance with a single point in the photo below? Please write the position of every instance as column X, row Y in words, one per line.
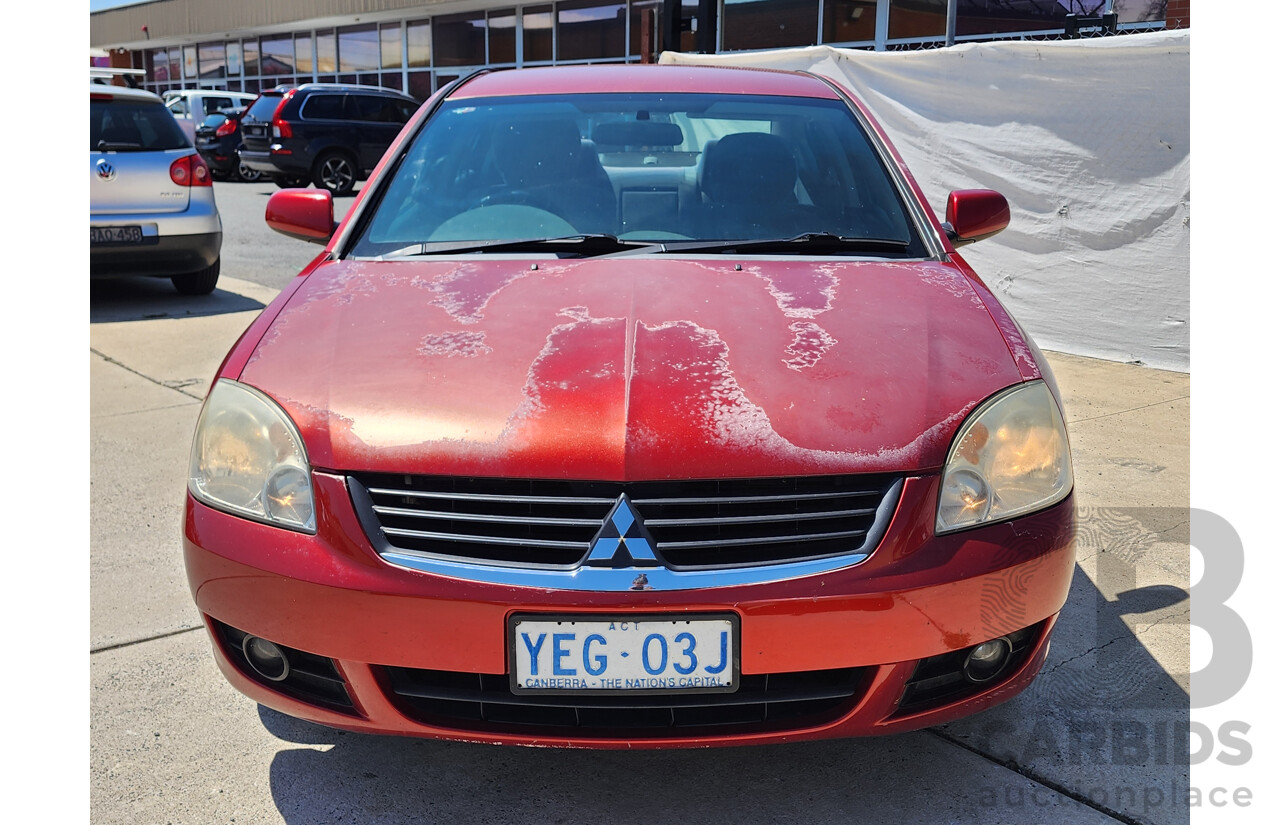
column 748, row 164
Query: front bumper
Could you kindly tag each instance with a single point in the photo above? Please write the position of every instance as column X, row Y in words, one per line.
column 918, row 596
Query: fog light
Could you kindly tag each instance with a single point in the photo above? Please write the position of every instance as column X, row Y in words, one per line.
column 266, row 658
column 987, row 659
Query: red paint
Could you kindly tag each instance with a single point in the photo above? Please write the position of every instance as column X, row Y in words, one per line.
column 662, row 368
column 975, row 214
column 632, row 368
column 306, row 214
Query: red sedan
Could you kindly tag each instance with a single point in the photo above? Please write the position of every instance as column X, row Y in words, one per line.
column 633, row 406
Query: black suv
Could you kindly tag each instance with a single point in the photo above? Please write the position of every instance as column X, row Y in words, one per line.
column 328, row 134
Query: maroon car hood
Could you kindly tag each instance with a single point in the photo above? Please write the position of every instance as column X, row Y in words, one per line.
column 627, row 369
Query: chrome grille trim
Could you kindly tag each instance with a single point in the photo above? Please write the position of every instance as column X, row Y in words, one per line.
column 581, row 546
column 487, row 497
column 674, row 522
column 539, row 533
column 438, row 514
column 687, row 545
column 641, row 502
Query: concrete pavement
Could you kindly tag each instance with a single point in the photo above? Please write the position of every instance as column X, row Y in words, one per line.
column 1095, row 740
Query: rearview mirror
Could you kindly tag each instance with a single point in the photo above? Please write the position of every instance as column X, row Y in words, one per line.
column 974, row 214
column 306, row 214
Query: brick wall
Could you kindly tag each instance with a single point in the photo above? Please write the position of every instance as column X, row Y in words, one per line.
column 1178, row 15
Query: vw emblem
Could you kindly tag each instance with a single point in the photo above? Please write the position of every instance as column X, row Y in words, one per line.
column 106, row 171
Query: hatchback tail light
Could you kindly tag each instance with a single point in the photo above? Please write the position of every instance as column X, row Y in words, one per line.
column 190, row 171
column 228, row 127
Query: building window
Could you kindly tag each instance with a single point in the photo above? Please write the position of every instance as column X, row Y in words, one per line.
column 249, row 51
column 917, row 19
column 277, row 57
column 418, row 36
column 638, row 20
column 389, row 36
column 326, row 56
column 420, row 85
column 1142, row 11
column 502, row 37
column 849, row 21
column 976, row 17
column 770, row 24
column 459, row 39
column 538, row 28
column 304, row 63
column 590, row 30
column 359, row 49
column 213, row 60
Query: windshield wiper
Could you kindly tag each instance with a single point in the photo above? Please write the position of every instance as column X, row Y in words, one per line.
column 581, row 246
column 807, row 243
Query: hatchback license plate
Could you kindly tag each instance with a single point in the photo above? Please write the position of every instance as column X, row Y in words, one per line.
column 115, row 234
column 624, row 655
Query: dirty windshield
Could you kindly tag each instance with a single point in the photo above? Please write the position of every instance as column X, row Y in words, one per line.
column 661, row 170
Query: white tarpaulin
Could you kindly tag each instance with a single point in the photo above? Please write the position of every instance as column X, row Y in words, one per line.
column 1090, row 142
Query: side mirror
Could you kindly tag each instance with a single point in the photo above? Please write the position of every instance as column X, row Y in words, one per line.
column 305, row 214
column 974, row 214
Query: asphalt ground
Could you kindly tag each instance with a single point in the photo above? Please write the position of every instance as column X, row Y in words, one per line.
column 1100, row 737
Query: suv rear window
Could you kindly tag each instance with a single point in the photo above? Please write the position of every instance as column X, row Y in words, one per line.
column 264, row 107
column 133, row 126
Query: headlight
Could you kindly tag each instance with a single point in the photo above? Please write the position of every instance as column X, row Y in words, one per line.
column 248, row 459
column 1010, row 457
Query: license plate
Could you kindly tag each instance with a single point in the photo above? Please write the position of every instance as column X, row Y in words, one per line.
column 656, row 654
column 115, row 234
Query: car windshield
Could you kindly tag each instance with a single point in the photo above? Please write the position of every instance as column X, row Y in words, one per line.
column 664, row 170
column 137, row 126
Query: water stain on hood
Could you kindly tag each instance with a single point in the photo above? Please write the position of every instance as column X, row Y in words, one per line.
column 631, row 368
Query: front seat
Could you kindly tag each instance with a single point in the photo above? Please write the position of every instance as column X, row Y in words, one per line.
column 543, row 163
column 748, row 183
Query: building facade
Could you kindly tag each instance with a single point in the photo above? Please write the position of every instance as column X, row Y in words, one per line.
column 417, row 46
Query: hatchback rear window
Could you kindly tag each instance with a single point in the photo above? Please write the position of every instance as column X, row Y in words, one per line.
column 130, row 125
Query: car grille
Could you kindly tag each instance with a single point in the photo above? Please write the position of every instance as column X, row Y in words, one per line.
column 694, row 524
column 484, row 702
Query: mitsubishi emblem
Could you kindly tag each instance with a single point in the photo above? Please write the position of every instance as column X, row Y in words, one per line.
column 622, row 541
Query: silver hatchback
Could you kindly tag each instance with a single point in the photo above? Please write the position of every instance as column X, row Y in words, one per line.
column 151, row 204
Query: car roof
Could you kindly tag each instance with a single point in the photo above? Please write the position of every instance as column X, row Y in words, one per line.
column 101, row 89
column 643, row 78
column 347, row 87
column 172, row 93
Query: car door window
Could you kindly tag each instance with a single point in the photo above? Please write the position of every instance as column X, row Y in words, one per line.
column 178, row 106
column 213, row 104
column 377, row 109
column 323, row 107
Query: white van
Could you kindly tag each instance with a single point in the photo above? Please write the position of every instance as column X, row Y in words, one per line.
column 190, row 106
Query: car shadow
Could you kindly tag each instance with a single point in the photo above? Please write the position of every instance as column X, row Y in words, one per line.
column 1101, row 734
column 145, row 299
